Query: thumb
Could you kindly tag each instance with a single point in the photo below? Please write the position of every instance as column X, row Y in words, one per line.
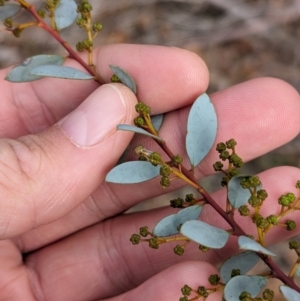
column 44, row 176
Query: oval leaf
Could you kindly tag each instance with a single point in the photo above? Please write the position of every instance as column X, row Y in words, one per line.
column 124, row 77
column 132, row 172
column 244, row 262
column 65, row 14
column 169, row 225
column 135, row 129
column 246, row 243
column 289, row 294
column 60, row 72
column 238, row 195
column 9, row 10
column 244, row 283
column 157, row 121
column 21, row 73
column 204, row 234
column 201, row 129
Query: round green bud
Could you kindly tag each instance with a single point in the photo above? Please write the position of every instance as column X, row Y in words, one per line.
column 254, row 181
column 254, row 201
column 233, row 173
column 186, row 290
column 256, row 217
column 221, row 147
column 155, row 158
column 262, row 194
column 245, row 296
column 115, row 79
column 153, row 243
column 80, row 47
column 294, row 245
column 202, row 291
column 176, row 203
column 177, row 159
column 87, row 44
column 268, row 294
column 135, row 239
column 298, row 184
column 165, row 182
column 214, row 279
column 272, row 219
column 84, row 7
column 290, row 225
column 262, row 223
column 139, row 121
column 286, row 199
column 203, row 248
column 144, row 231
column 165, row 171
column 8, row 23
column 218, row 166
column 230, row 144
column 224, row 181
column 184, row 298
column 235, row 272
column 97, row 27
column 189, row 198
column 224, row 155
column 141, row 108
column 17, row 32
column 179, row 250
column 244, row 210
column 81, row 22
column 235, row 160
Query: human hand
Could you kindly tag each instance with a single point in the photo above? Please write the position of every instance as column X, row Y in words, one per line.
column 56, row 209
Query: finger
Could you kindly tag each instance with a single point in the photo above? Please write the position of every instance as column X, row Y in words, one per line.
column 167, row 78
column 260, row 114
column 45, row 176
column 95, row 254
column 193, row 274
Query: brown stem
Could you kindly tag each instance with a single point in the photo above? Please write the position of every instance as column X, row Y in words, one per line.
column 229, row 217
column 72, row 54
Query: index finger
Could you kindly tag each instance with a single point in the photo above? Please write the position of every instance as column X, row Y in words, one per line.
column 167, row 78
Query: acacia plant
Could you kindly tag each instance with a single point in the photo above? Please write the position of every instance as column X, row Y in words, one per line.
column 245, row 193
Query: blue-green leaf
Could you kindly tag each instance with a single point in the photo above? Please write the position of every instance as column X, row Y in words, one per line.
column 135, row 129
column 289, row 294
column 169, row 225
column 201, row 129
column 9, row 10
column 22, row 72
column 243, row 283
column 60, row 72
column 132, row 172
column 244, row 262
column 65, row 14
column 238, row 195
column 157, row 121
column 246, row 243
column 124, row 77
column 204, row 234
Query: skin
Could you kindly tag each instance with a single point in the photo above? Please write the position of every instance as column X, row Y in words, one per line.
column 68, row 223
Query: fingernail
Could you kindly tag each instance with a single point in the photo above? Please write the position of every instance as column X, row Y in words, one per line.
column 96, row 118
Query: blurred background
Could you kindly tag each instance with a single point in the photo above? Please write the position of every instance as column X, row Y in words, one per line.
column 238, row 40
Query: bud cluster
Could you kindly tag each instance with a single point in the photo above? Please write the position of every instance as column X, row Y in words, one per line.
column 227, row 152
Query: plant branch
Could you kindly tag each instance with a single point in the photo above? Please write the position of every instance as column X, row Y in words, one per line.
column 72, row 53
column 237, row 230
